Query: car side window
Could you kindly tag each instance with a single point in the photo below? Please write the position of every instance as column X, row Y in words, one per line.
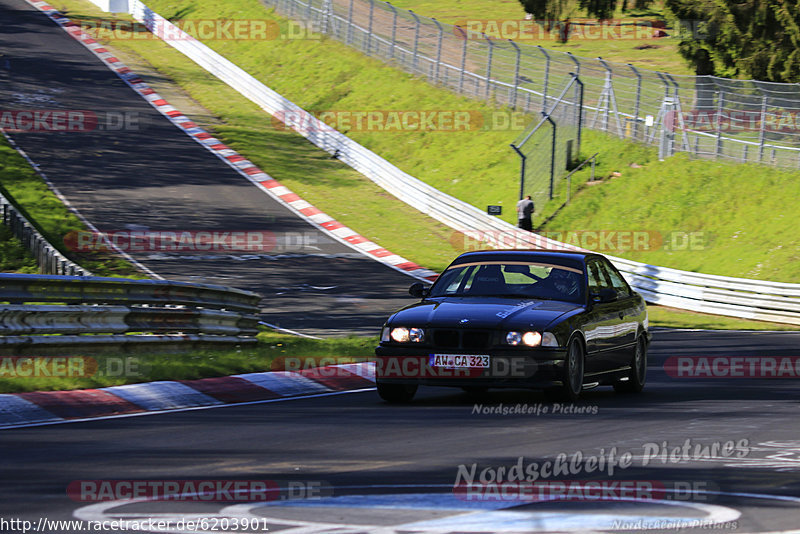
column 617, row 281
column 597, row 278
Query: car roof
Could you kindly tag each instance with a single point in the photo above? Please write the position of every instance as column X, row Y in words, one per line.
column 531, row 254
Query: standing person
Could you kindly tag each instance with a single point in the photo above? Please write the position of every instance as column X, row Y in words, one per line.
column 524, row 213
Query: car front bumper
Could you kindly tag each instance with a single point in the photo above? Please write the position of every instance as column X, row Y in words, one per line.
column 532, row 368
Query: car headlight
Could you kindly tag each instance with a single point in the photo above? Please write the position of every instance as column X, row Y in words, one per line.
column 385, row 334
column 407, row 335
column 531, row 339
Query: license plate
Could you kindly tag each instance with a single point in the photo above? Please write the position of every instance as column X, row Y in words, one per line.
column 459, row 361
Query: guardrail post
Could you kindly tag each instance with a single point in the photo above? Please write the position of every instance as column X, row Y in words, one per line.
column 488, row 65
column 369, row 30
column 463, row 60
column 416, row 40
column 638, row 100
column 438, row 50
column 515, row 88
column 394, row 30
column 546, row 77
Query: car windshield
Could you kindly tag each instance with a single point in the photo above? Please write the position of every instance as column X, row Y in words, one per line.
column 534, row 280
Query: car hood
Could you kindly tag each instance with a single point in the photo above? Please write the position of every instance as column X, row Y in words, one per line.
column 482, row 312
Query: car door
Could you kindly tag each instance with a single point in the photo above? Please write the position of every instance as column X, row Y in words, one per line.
column 626, row 316
column 601, row 322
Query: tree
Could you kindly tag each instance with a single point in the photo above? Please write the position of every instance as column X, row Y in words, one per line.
column 757, row 39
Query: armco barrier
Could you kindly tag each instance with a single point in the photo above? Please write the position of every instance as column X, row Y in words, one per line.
column 50, row 260
column 734, row 297
column 115, row 312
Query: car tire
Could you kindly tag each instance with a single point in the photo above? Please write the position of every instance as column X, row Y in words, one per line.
column 396, row 393
column 572, row 379
column 637, row 376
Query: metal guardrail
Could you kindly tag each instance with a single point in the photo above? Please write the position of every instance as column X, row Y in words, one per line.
column 95, row 311
column 705, row 293
column 49, row 259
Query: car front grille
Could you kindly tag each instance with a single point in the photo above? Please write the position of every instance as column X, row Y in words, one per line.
column 461, row 339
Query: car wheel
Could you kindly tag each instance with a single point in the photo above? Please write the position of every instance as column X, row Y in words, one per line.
column 572, row 379
column 396, row 393
column 637, row 376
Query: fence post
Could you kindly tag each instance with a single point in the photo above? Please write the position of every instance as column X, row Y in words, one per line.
column 638, row 100
column 552, row 156
column 579, row 123
column 489, row 65
column 416, row 41
column 369, row 30
column 438, row 50
column 761, row 129
column 546, row 77
column 394, row 29
column 515, row 88
column 521, row 172
column 720, row 107
column 463, row 60
column 577, row 63
column 349, row 38
column 327, row 17
column 309, row 5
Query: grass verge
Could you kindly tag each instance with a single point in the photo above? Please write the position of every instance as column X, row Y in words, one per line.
column 34, row 199
column 114, row 369
column 14, row 257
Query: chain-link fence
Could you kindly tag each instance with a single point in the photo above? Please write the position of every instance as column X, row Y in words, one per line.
column 739, row 120
column 548, row 148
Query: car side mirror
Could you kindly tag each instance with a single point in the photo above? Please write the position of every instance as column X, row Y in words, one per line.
column 418, row 290
column 604, row 295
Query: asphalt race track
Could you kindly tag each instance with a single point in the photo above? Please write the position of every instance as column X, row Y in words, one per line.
column 156, row 177
column 355, row 464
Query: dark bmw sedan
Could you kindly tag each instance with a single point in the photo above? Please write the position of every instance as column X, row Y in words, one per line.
column 558, row 321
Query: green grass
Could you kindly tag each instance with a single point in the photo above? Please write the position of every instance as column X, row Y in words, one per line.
column 44, row 209
column 274, row 352
column 650, row 53
column 14, row 257
column 704, row 216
